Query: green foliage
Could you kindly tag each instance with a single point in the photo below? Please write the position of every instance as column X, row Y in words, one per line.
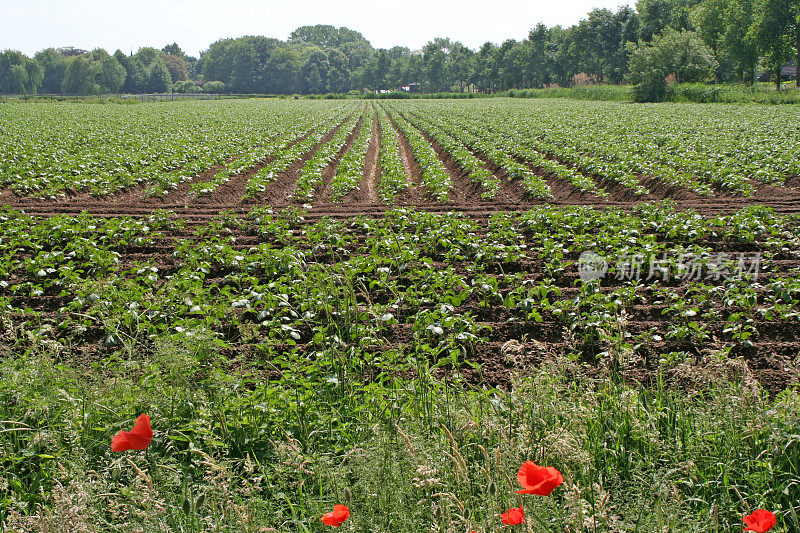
column 111, row 75
column 279, row 384
column 177, row 67
column 214, row 87
column 80, row 76
column 776, row 33
column 680, row 54
column 186, row 87
column 19, row 74
column 158, row 77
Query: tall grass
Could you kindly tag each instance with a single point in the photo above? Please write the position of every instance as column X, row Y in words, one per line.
column 269, row 442
column 732, row 93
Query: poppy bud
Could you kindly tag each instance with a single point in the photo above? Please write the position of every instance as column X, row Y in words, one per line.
column 187, row 506
column 348, row 496
column 491, row 488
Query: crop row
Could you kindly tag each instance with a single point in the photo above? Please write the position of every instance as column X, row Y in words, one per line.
column 258, row 182
column 52, row 150
column 310, row 178
column 351, row 167
column 433, row 175
column 393, row 179
column 447, row 281
column 451, row 143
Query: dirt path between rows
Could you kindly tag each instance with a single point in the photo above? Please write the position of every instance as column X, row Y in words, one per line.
column 322, row 194
column 280, row 190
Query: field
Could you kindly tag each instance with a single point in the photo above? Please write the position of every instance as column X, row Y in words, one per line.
column 394, row 304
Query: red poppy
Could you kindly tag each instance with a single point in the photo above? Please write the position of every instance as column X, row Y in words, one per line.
column 336, row 517
column 760, row 521
column 513, row 516
column 537, row 479
column 136, row 439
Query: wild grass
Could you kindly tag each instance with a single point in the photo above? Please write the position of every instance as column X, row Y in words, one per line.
column 269, row 445
column 733, row 93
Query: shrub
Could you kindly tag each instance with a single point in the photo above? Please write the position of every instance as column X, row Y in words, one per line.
column 682, row 54
column 214, row 87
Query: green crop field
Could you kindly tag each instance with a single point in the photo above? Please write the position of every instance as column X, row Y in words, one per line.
column 392, row 305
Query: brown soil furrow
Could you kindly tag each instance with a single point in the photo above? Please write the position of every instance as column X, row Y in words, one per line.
column 463, row 190
column 7, row 197
column 414, row 195
column 280, row 190
column 367, row 189
column 705, row 206
column 135, row 195
column 512, row 191
column 792, row 182
column 767, row 191
column 180, row 195
column 323, row 193
column 231, row 192
column 657, row 189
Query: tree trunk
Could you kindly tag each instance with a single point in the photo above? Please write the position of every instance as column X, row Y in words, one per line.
column 778, row 78
column 797, row 46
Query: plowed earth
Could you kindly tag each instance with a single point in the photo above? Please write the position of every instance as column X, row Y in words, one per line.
column 773, row 358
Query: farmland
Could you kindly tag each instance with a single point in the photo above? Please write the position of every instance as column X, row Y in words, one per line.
column 389, row 303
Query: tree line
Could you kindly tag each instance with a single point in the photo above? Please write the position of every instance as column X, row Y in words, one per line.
column 658, row 41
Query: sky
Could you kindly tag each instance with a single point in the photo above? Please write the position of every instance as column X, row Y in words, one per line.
column 33, row 25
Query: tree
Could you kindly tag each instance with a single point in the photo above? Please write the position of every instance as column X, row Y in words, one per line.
column 186, row 87
column 282, row 70
column 314, row 74
column 485, row 73
column 538, row 71
column 55, row 66
column 777, row 34
column 19, row 73
column 679, row 53
column 358, row 53
column 176, row 66
column 738, row 44
column 158, row 78
column 80, row 76
column 656, row 16
column 174, row 50
column 339, row 73
column 214, row 87
column 147, row 56
column 135, row 73
column 460, row 65
column 563, row 56
column 709, row 21
column 382, row 64
column 110, row 75
column 325, row 36
column 599, row 39
column 218, row 60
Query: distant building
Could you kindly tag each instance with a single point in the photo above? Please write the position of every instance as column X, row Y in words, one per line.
column 71, row 51
column 788, row 72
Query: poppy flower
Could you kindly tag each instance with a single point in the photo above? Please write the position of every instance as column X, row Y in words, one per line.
column 760, row 521
column 513, row 516
column 336, row 517
column 136, row 439
column 539, row 480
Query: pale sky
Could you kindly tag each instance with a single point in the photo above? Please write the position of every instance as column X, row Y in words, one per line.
column 32, row 25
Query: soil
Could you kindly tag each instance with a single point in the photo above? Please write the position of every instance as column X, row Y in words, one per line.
column 366, row 192
column 514, row 345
